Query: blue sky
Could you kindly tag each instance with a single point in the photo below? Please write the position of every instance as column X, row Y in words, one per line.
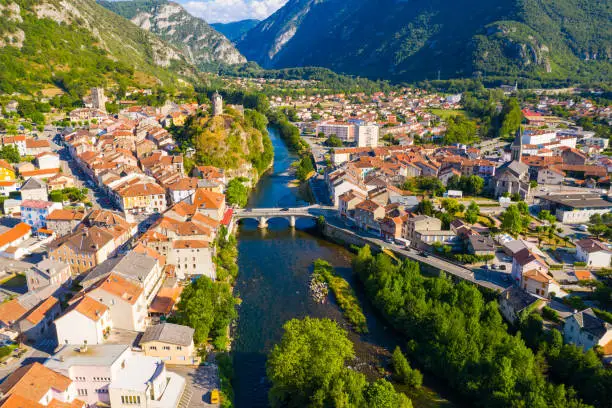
column 224, row 11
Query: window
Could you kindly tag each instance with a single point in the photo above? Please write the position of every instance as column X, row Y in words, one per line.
column 82, row 392
column 152, row 347
column 166, row 347
column 179, row 347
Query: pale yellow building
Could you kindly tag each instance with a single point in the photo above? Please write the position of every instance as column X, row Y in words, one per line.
column 172, row 343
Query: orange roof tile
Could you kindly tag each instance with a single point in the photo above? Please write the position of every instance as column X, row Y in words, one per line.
column 537, row 276
column 165, row 300
column 34, row 381
column 41, row 310
column 11, row 311
column 90, row 308
column 65, row 215
column 120, row 287
column 189, row 243
column 208, row 199
column 14, row 233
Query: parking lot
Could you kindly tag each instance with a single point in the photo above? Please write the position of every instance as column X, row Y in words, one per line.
column 200, row 381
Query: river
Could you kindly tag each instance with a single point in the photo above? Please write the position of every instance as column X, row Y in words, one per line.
column 275, row 267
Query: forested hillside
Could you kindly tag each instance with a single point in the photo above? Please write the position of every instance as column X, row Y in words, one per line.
column 53, row 46
column 553, row 41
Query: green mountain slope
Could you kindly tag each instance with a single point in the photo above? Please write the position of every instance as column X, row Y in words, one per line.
column 235, row 30
column 201, row 44
column 547, row 40
column 71, row 45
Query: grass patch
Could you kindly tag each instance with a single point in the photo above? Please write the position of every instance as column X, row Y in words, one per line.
column 344, row 295
column 6, row 351
column 13, row 282
column 444, row 114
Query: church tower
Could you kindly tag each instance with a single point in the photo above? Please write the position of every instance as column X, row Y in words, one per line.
column 517, row 145
column 217, row 104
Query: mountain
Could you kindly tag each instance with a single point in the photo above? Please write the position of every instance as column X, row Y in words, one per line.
column 51, row 46
column 235, row 30
column 202, row 45
column 546, row 40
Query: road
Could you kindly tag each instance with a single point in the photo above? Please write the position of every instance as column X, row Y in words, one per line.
column 96, row 195
column 482, row 278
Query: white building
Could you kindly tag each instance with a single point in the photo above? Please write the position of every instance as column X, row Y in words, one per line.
column 367, row 135
column 594, row 253
column 586, row 330
column 538, row 137
column 142, row 270
column 342, row 130
column 48, row 160
column 125, row 300
column 192, row 258
column 114, row 375
column 92, row 319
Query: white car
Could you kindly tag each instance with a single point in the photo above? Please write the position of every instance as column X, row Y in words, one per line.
column 583, row 228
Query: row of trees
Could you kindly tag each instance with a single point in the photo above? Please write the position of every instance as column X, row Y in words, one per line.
column 308, row 369
column 458, row 336
column 289, row 132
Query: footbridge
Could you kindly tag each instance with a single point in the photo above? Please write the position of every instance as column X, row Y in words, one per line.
column 263, row 215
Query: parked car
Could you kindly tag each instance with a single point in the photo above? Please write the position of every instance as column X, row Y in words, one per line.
column 583, row 228
column 494, row 266
column 502, row 267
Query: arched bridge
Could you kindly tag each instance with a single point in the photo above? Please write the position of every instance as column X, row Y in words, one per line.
column 262, row 215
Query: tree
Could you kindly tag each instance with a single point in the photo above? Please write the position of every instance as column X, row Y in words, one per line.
column 333, row 141
column 237, row 193
column 10, row 154
column 460, row 130
column 426, row 207
column 304, row 168
column 381, row 394
column 472, row 213
column 308, row 369
column 511, row 117
column 470, row 185
column 403, row 372
column 208, row 307
column 512, row 220
column 451, row 205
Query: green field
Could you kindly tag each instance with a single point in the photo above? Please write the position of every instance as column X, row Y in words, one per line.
column 447, row 113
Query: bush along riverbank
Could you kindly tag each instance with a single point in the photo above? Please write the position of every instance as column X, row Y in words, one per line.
column 459, row 337
column 345, row 296
column 304, row 167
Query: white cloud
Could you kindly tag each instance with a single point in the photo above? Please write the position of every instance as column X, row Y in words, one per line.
column 223, row 11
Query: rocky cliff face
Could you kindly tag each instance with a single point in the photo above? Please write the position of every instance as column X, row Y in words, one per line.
column 411, row 40
column 200, row 43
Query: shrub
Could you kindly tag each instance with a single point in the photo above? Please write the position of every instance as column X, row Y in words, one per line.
column 550, row 314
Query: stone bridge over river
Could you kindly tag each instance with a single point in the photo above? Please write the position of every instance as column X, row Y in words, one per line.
column 262, row 215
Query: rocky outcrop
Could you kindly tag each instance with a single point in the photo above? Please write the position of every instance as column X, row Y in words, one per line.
column 197, row 40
